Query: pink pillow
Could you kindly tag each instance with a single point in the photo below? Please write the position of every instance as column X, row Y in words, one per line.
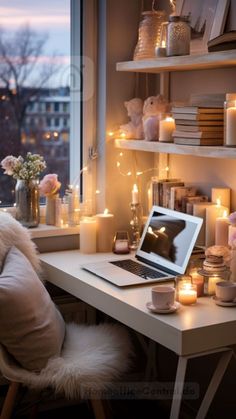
column 31, row 327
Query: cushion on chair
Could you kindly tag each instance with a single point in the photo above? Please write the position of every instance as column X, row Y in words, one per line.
column 31, row 328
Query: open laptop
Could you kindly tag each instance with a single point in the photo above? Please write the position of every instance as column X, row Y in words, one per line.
column 165, row 248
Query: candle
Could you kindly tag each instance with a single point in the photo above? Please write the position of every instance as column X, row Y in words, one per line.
column 188, row 294
column 180, row 281
column 135, row 199
column 105, row 231
column 88, row 229
column 197, row 280
column 231, row 235
column 222, row 194
column 230, row 126
column 199, row 210
column 212, row 280
column 166, row 128
column 212, row 213
column 221, row 230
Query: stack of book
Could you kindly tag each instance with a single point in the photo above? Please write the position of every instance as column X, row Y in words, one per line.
column 197, row 125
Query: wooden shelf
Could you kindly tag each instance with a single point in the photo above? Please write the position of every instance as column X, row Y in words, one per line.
column 210, row 60
column 171, row 148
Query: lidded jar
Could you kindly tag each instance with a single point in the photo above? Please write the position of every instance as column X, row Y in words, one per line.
column 178, row 35
column 214, row 270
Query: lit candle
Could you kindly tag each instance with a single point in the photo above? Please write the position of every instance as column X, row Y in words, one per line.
column 105, row 231
column 230, row 124
column 197, row 280
column 212, row 280
column 221, row 193
column 221, row 232
column 166, row 128
column 212, row 213
column 88, row 229
column 134, row 193
column 187, row 294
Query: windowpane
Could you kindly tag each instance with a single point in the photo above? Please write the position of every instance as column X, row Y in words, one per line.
column 35, row 85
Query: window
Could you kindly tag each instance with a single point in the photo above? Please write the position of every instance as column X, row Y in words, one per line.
column 39, row 85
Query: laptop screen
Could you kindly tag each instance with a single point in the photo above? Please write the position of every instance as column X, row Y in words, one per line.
column 168, row 238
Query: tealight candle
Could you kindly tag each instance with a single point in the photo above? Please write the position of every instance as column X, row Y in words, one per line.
column 166, row 128
column 187, row 294
column 180, row 281
column 105, row 231
column 88, row 229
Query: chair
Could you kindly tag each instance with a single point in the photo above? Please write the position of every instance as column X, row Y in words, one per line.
column 91, row 358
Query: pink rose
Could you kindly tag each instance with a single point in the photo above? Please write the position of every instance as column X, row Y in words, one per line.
column 49, row 185
column 9, row 164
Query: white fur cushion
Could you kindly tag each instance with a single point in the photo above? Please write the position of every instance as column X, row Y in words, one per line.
column 31, row 328
column 12, row 233
column 92, row 357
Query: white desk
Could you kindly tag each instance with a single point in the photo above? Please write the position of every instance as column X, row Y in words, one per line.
column 190, row 331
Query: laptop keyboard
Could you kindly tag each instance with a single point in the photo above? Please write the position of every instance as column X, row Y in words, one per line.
column 138, row 269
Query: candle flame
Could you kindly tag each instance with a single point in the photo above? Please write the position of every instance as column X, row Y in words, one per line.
column 169, row 119
column 225, row 214
column 97, row 192
column 123, row 135
column 150, row 231
column 135, row 188
column 110, row 133
column 163, row 44
column 106, row 211
column 162, row 229
column 218, row 202
column 187, row 286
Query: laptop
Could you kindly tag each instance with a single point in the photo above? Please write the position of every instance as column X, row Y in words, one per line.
column 164, row 251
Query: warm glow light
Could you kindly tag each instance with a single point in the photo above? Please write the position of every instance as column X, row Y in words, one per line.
column 169, row 119
column 106, row 211
column 110, row 133
column 123, row 135
column 97, row 191
column 225, row 214
column 150, row 231
column 129, row 174
column 163, row 44
column 218, row 202
column 118, row 164
column 55, row 134
column 135, row 188
column 121, row 154
column 167, row 169
column 139, row 173
column 162, row 229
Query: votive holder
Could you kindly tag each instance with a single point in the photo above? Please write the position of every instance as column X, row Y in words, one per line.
column 180, row 281
column 188, row 294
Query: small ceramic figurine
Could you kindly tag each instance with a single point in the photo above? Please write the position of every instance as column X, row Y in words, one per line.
column 134, row 128
column 154, row 107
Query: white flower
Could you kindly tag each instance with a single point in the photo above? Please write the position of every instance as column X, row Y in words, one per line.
column 9, row 164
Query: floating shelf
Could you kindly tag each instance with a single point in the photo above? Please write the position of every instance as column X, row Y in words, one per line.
column 209, row 60
column 171, row 148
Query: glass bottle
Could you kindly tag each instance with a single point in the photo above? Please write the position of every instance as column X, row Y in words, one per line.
column 27, row 202
column 178, row 36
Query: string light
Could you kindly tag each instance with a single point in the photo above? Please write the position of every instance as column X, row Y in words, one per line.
column 97, row 192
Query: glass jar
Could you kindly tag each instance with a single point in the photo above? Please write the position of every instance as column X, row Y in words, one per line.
column 187, row 294
column 178, row 36
column 181, row 281
column 166, row 128
column 149, row 34
column 230, row 120
column 27, row 202
column 211, row 279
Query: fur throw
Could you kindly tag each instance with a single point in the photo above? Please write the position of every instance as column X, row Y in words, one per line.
column 12, row 233
column 92, row 357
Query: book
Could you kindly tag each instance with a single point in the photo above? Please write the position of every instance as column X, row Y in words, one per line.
column 198, row 134
column 223, row 47
column 177, row 193
column 166, row 186
column 199, row 128
column 192, row 200
column 226, row 37
column 210, row 99
column 199, row 117
column 196, row 110
column 199, row 123
column 199, row 141
column 159, row 190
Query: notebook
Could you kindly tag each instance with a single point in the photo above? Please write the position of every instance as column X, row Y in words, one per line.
column 164, row 250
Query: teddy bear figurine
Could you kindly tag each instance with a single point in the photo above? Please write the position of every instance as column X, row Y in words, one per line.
column 153, row 108
column 134, row 128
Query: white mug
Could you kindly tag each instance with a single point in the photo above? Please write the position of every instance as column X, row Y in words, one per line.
column 225, row 291
column 163, row 296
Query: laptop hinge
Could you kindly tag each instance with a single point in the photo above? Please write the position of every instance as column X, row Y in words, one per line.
column 156, row 265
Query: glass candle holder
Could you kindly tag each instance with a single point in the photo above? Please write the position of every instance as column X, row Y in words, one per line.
column 197, row 278
column 230, row 120
column 161, row 47
column 136, row 224
column 178, row 36
column 187, row 294
column 180, row 281
column 211, row 279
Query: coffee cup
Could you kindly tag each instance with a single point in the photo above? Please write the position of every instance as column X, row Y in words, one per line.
column 163, row 296
column 226, row 291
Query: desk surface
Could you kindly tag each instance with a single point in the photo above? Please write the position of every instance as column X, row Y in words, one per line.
column 192, row 329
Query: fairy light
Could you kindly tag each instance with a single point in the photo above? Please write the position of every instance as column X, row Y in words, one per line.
column 117, row 164
column 139, row 173
column 121, row 154
column 123, row 135
column 129, row 173
column 97, row 192
column 110, row 133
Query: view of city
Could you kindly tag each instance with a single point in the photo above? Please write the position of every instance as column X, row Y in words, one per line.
column 34, row 87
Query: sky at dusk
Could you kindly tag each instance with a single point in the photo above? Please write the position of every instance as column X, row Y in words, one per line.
column 51, row 17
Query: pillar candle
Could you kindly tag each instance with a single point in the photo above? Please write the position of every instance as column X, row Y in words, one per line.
column 222, row 194
column 221, row 230
column 88, row 229
column 105, row 231
column 199, row 210
column 166, row 128
column 230, row 126
column 134, row 193
column 212, row 280
column 212, row 213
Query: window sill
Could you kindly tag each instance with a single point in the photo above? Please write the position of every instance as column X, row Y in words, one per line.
column 44, row 230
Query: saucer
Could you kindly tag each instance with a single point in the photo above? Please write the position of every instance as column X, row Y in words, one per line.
column 224, row 303
column 153, row 309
